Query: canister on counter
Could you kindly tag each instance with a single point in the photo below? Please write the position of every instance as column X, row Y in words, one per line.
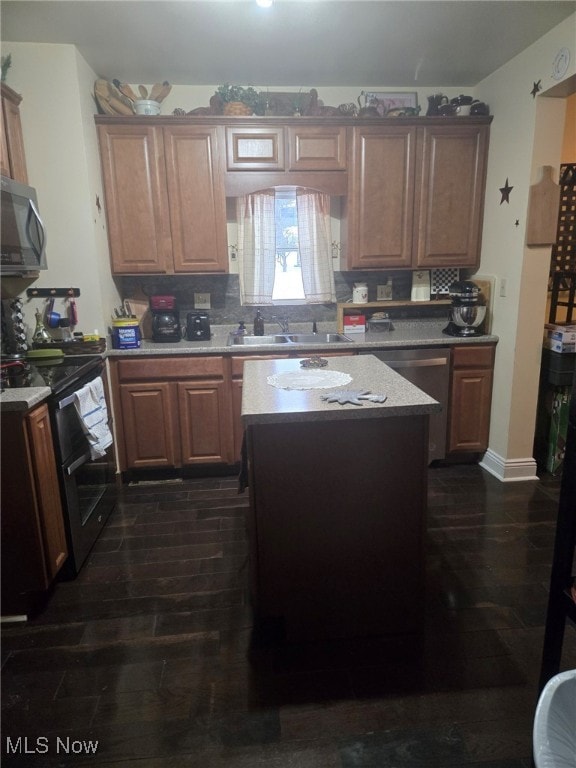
column 126, row 333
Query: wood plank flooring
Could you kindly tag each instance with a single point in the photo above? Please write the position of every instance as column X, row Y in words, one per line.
column 149, row 652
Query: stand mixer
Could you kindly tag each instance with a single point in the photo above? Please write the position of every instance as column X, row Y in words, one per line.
column 467, row 312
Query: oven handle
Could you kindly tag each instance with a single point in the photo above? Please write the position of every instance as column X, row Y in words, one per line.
column 78, row 463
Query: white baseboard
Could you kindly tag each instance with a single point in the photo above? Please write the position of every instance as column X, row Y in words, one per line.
column 509, row 470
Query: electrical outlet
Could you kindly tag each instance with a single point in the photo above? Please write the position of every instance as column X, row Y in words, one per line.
column 384, row 292
column 201, row 301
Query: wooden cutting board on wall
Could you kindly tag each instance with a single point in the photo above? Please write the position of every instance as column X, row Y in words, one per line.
column 543, row 204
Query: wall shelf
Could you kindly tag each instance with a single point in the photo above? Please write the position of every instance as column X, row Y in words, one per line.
column 349, row 308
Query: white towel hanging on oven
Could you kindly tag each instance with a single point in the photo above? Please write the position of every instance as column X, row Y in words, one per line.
column 90, row 405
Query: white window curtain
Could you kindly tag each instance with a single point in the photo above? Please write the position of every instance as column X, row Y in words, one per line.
column 314, row 242
column 257, row 246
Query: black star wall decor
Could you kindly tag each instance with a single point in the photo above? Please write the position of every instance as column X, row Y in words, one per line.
column 536, row 88
column 505, row 192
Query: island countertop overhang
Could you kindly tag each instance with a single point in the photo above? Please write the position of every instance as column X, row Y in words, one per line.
column 263, row 403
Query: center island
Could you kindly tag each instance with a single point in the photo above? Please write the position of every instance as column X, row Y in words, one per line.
column 337, row 498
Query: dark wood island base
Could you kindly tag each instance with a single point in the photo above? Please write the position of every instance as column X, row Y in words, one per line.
column 336, row 524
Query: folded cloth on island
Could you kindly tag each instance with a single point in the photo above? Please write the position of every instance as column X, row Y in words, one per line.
column 90, row 405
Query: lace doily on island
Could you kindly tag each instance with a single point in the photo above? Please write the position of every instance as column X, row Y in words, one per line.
column 309, row 379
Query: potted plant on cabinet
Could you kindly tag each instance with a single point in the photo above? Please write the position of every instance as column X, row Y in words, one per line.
column 238, row 100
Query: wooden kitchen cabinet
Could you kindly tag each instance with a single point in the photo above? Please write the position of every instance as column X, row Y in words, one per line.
column 173, row 411
column 165, row 200
column 416, row 195
column 12, row 157
column 286, row 148
column 34, row 545
column 450, row 182
column 470, row 398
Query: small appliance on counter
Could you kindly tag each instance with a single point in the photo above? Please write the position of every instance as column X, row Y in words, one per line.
column 165, row 319
column 197, row 326
column 468, row 311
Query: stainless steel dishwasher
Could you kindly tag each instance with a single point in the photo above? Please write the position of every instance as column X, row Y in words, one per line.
column 429, row 370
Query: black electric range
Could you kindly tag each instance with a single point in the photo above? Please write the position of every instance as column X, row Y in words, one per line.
column 59, row 374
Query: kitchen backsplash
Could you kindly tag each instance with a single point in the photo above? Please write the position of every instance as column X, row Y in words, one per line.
column 226, row 309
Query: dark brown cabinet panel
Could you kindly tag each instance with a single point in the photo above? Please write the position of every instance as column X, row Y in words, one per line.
column 34, row 545
column 470, row 398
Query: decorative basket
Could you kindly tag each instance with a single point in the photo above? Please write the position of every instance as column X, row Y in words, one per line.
column 237, row 108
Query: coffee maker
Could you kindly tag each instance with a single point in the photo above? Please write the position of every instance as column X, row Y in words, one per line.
column 165, row 319
column 468, row 310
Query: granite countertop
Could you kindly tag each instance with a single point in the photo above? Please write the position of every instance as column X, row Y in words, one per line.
column 263, row 403
column 413, row 333
column 406, row 333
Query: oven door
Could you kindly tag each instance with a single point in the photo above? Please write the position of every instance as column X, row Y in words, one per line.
column 88, row 498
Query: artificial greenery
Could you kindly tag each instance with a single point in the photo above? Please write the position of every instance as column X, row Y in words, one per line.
column 248, row 96
column 5, row 65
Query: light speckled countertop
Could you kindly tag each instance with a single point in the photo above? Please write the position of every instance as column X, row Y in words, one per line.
column 263, row 403
column 406, row 333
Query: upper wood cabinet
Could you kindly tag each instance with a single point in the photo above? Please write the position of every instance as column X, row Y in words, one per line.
column 416, row 195
column 317, row 148
column 12, row 157
column 165, row 200
column 249, row 148
column 451, row 176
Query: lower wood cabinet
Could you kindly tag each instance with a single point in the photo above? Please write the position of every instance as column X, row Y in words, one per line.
column 470, row 398
column 33, row 535
column 172, row 411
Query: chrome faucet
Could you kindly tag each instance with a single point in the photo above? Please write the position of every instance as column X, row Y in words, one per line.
column 282, row 322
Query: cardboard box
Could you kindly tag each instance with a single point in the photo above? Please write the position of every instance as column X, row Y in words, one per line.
column 354, row 324
column 560, row 338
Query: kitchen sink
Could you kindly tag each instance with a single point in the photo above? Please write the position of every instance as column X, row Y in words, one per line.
column 255, row 340
column 288, row 338
column 317, row 338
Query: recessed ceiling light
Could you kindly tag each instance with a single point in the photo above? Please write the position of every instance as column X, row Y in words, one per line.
column 264, row 3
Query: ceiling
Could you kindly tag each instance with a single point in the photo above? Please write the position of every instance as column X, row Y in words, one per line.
column 306, row 43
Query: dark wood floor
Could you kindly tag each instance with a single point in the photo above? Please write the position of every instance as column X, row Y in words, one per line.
column 150, row 651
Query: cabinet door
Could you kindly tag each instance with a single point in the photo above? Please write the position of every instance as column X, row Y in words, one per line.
column 450, row 195
column 148, row 421
column 205, row 424
column 381, row 197
column 47, row 491
column 133, row 174
column 13, row 158
column 197, row 199
column 255, row 149
column 471, row 398
column 317, row 148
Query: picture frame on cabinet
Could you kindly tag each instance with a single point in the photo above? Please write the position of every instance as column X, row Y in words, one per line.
column 387, row 101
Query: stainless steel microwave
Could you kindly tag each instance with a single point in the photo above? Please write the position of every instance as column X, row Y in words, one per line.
column 23, row 236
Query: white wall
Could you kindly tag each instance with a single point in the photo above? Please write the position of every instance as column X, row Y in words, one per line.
column 525, row 134
column 62, row 158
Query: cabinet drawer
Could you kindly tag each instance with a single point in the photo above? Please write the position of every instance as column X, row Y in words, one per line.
column 148, row 369
column 473, row 357
column 315, row 148
column 255, row 149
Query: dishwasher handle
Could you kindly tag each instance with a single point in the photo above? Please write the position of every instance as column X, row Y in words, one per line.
column 426, row 363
